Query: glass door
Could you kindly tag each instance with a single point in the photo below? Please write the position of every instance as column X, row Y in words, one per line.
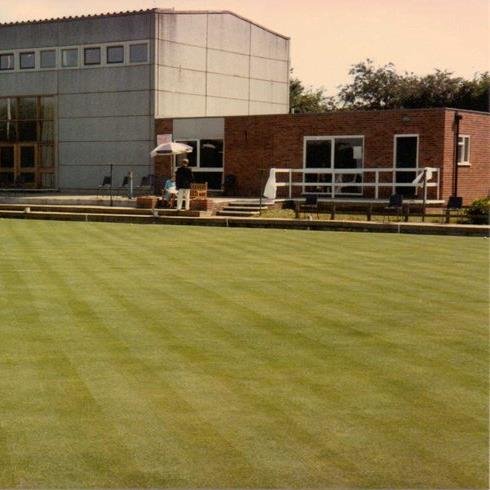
column 318, row 154
column 26, row 165
column 7, row 165
column 406, row 156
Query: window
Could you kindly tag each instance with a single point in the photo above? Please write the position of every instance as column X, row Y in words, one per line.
column 211, row 153
column 48, row 58
column 464, row 150
column 6, row 61
column 138, row 53
column 206, row 161
column 27, row 141
column 333, row 153
column 27, row 60
column 69, row 58
column 91, row 56
column 115, row 54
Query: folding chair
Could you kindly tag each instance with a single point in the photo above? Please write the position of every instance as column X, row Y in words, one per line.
column 395, row 204
column 310, row 204
column 106, row 184
column 454, row 203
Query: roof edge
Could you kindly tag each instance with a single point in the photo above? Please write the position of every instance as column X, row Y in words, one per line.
column 138, row 12
column 229, row 12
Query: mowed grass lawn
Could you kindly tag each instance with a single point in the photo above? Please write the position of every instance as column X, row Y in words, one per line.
column 155, row 356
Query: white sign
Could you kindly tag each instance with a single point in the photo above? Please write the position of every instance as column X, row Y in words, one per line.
column 163, row 138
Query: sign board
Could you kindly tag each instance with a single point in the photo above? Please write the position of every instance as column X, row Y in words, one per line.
column 164, row 138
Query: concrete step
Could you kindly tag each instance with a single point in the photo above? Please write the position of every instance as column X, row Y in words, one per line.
column 245, row 208
column 245, row 214
column 248, row 204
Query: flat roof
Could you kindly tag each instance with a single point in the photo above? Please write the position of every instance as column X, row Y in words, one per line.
column 137, row 12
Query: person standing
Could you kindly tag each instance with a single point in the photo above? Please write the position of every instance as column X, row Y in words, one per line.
column 183, row 181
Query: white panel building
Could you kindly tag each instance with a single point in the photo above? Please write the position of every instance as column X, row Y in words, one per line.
column 80, row 94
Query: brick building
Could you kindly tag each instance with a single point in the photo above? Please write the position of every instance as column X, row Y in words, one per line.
column 366, row 154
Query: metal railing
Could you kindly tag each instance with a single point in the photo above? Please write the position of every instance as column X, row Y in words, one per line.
column 337, row 182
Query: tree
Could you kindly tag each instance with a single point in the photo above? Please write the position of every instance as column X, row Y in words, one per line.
column 382, row 87
column 302, row 99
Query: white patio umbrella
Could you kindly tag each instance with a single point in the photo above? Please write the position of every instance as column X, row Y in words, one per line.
column 171, row 148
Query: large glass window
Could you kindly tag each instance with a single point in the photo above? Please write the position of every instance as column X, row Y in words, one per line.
column 27, row 156
column 115, row 54
column 138, row 53
column 69, row 57
column 211, row 153
column 206, row 161
column 48, row 58
column 6, row 61
column 333, row 153
column 27, row 60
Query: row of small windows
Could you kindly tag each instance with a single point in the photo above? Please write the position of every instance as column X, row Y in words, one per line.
column 138, row 53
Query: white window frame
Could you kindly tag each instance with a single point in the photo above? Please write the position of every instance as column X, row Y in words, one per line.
column 332, row 139
column 81, row 58
column 464, row 138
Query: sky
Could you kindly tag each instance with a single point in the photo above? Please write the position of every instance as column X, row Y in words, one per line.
column 328, row 36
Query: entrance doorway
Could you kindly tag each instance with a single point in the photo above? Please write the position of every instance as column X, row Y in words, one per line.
column 406, row 156
column 18, row 163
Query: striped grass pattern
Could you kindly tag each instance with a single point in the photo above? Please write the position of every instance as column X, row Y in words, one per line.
column 154, row 356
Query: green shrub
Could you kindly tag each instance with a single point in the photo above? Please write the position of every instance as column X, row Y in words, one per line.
column 479, row 212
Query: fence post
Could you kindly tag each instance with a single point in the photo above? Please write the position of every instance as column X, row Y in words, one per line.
column 130, row 184
column 290, row 183
column 370, row 212
column 424, row 203
column 110, row 188
column 332, row 214
column 261, row 191
column 376, row 182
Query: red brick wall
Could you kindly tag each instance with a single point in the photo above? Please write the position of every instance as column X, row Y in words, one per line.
column 163, row 164
column 473, row 180
column 254, row 142
column 277, row 141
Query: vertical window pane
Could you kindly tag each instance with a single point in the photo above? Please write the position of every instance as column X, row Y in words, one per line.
column 460, row 151
column 27, row 60
column 47, row 108
column 467, row 149
column 115, row 54
column 348, row 153
column 27, row 108
column 138, row 53
column 47, row 180
column 28, row 131
column 27, row 156
column 6, row 61
column 48, row 58
column 47, row 131
column 318, row 154
column 8, row 131
column 211, row 153
column 69, row 57
column 92, row 56
column 8, row 108
column 47, row 156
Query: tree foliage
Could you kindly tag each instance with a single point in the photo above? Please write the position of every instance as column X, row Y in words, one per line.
column 382, row 87
column 373, row 87
column 307, row 99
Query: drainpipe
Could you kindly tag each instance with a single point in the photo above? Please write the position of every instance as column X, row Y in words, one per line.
column 457, row 119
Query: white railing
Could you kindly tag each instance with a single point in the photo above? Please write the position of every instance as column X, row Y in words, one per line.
column 428, row 177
